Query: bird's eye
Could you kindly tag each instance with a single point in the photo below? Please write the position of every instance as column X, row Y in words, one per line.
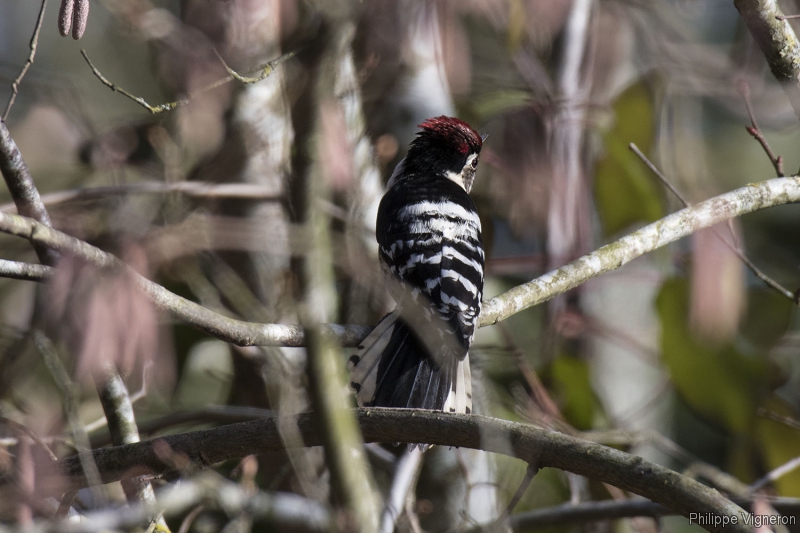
column 475, row 163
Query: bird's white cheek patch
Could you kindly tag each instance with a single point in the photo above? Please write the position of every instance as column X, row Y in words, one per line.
column 456, row 178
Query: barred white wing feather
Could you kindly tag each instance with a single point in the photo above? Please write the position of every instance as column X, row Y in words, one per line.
column 363, row 364
column 459, row 399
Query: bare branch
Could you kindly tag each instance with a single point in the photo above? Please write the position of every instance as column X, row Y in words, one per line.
column 28, row 62
column 776, row 473
column 403, row 482
column 30, row 433
column 612, row 256
column 777, row 41
column 118, row 409
column 265, row 70
column 24, row 271
column 586, row 512
column 777, row 417
column 169, row 106
column 755, row 131
column 286, row 511
column 20, row 184
column 228, row 329
column 741, row 201
column 735, row 248
column 69, row 397
column 194, row 189
column 530, row 473
column 541, row 447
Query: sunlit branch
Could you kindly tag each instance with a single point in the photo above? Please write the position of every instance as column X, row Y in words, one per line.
column 225, row 328
column 735, row 248
column 24, row 271
column 777, row 41
column 118, row 410
column 22, row 188
column 750, row 198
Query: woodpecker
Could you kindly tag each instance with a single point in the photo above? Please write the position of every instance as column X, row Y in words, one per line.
column 430, row 248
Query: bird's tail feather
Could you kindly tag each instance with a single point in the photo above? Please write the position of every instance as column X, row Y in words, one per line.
column 391, row 368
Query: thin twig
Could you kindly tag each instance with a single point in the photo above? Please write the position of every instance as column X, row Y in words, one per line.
column 787, row 17
column 402, row 484
column 735, row 248
column 586, row 512
column 778, row 42
column 265, row 70
column 138, row 99
column 777, row 417
column 66, row 503
column 755, row 131
column 776, row 473
column 654, row 169
column 28, row 62
column 189, row 518
column 30, row 433
column 530, row 473
column 24, row 271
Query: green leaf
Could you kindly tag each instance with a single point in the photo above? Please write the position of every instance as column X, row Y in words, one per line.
column 719, row 383
column 573, row 388
column 779, row 444
column 625, row 191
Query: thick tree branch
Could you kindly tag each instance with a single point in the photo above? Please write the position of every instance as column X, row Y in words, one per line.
column 612, row 256
column 778, row 42
column 542, row 447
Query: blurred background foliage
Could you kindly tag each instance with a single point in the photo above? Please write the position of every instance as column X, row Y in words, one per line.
column 685, row 342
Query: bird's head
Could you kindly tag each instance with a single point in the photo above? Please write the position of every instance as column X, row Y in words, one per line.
column 447, row 147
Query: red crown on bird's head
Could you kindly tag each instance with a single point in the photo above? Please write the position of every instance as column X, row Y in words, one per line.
column 451, row 129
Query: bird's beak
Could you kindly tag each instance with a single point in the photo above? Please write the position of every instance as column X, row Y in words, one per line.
column 484, row 137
